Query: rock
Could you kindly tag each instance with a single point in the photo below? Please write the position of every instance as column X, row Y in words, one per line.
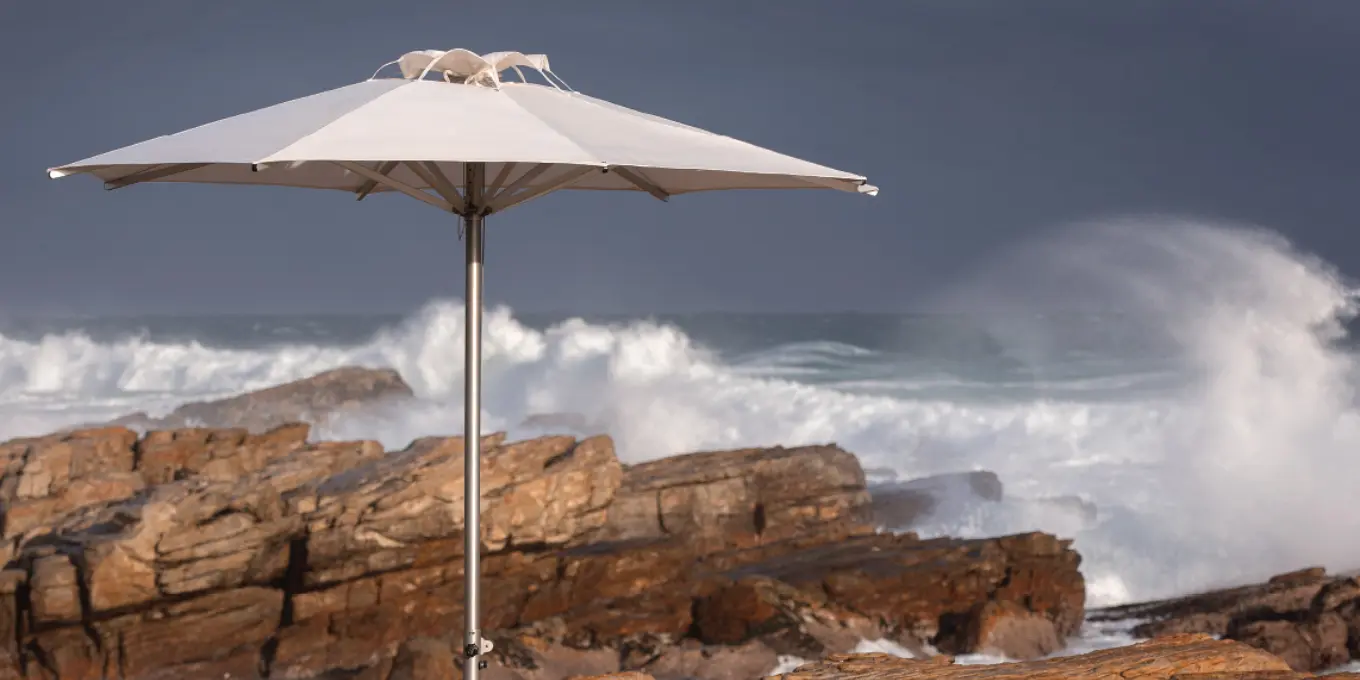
column 1336, row 595
column 210, row 636
column 1304, row 646
column 925, row 590
column 54, row 591
column 1007, row 629
column 312, row 400
column 45, row 477
column 685, row 662
column 50, row 477
column 739, row 612
column 626, row 675
column 1299, row 577
column 406, row 509
column 1308, row 618
column 734, row 498
column 902, row 505
column 1177, row 656
column 213, row 636
column 384, row 542
column 224, row 454
column 525, row 657
column 182, row 538
column 785, row 619
column 12, row 581
column 424, row 659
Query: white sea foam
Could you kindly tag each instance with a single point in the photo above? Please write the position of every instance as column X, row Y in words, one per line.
column 1243, row 466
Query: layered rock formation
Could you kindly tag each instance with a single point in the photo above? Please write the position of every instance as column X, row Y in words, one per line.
column 197, row 553
column 1309, row 619
column 311, row 400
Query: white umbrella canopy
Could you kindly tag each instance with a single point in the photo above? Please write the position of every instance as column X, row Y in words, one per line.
column 415, row 132
column 470, row 143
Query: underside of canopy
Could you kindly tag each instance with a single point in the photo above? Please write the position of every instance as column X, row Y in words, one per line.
column 417, row 136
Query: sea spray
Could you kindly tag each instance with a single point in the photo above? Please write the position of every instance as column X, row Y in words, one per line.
column 1251, row 458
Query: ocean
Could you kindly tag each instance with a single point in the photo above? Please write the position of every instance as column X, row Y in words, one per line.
column 1199, row 392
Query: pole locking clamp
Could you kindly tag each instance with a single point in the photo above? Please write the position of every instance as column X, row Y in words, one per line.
column 482, row 646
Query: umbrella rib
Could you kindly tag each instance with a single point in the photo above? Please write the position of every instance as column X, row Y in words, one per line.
column 396, row 184
column 151, row 174
column 572, row 175
column 367, row 187
column 640, row 181
column 494, row 188
column 504, row 194
column 433, row 176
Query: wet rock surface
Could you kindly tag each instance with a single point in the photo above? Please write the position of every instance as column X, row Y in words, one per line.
column 1308, row 618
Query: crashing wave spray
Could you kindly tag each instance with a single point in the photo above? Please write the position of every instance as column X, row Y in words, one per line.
column 1251, row 462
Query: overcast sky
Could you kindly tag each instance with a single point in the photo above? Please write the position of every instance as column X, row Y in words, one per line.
column 984, row 123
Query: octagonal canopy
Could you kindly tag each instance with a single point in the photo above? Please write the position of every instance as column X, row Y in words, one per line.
column 413, row 133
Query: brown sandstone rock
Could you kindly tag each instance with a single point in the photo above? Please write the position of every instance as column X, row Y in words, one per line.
column 11, row 621
column 1304, row 646
column 311, row 400
column 785, row 619
column 54, row 591
column 525, row 657
column 168, row 455
column 626, row 675
column 686, row 661
column 406, row 509
column 1172, row 656
column 385, row 541
column 1007, row 629
column 733, row 498
column 1308, row 618
column 424, row 659
column 45, row 477
column 926, row 589
column 1299, row 577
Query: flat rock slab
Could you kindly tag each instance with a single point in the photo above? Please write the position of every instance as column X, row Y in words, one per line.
column 1181, row 656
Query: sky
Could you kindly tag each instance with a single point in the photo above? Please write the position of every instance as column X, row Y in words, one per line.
column 985, row 124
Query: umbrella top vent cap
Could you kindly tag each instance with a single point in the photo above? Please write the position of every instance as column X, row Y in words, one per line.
column 465, row 67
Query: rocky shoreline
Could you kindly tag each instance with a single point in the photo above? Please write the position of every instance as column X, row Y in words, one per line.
column 242, row 552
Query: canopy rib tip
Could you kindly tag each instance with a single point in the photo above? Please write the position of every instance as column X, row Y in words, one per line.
column 639, row 180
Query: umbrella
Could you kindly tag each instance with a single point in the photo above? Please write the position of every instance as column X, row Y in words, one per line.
column 471, row 135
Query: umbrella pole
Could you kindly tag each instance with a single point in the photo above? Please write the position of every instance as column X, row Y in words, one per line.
column 473, row 229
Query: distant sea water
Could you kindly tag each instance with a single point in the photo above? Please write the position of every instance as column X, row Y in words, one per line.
column 1203, row 399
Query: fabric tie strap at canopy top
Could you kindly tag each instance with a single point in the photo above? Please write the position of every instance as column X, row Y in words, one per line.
column 464, row 66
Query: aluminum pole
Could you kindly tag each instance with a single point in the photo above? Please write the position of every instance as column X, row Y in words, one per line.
column 473, row 229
